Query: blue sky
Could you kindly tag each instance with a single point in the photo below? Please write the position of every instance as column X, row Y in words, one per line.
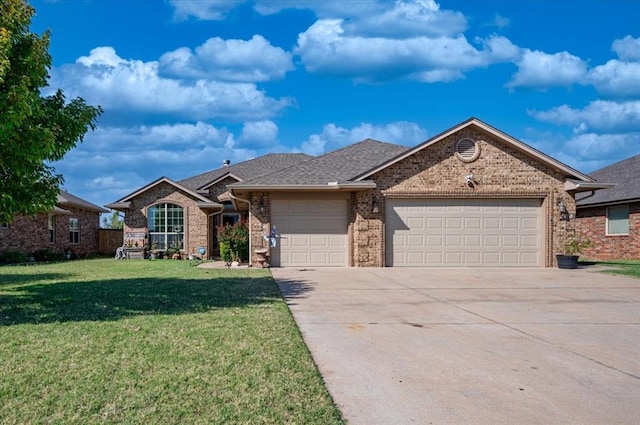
column 186, row 84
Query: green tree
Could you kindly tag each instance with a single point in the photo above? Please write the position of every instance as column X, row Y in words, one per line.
column 35, row 130
column 113, row 222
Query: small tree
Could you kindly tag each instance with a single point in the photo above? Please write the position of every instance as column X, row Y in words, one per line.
column 113, row 222
column 234, row 242
column 34, row 130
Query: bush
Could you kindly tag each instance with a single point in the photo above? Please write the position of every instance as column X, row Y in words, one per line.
column 45, row 254
column 13, row 257
column 236, row 240
column 225, row 252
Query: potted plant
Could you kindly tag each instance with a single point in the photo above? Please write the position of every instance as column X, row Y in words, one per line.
column 571, row 251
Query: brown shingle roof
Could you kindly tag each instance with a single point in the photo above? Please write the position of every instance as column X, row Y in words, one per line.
column 66, row 198
column 625, row 174
column 337, row 166
column 247, row 170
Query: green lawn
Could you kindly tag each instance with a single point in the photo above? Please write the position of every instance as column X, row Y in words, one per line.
column 622, row 267
column 152, row 342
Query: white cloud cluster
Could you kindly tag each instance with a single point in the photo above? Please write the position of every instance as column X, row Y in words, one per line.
column 254, row 60
column 333, row 136
column 117, row 84
column 542, row 70
column 599, row 116
column 259, row 134
column 326, row 48
column 210, row 10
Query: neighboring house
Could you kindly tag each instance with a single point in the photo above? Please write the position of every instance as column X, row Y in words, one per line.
column 610, row 218
column 73, row 224
column 470, row 196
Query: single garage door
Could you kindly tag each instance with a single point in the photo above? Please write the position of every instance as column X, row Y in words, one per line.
column 313, row 233
column 463, row 232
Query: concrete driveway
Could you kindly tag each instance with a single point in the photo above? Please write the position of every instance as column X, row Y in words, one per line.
column 472, row 345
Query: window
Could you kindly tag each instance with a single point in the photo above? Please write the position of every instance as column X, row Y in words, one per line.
column 74, row 231
column 166, row 226
column 618, row 220
column 51, row 224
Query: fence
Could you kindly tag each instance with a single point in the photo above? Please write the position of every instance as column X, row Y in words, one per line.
column 109, row 240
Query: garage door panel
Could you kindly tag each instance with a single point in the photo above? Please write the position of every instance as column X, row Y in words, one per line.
column 312, row 233
column 489, row 232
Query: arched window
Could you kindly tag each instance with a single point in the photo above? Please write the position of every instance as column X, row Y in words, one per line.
column 166, row 226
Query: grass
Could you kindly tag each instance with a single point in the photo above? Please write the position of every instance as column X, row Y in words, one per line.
column 621, row 267
column 140, row 342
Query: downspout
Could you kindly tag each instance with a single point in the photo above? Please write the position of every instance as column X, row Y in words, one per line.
column 249, row 224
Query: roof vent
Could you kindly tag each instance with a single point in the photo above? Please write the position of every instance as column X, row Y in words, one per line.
column 467, row 150
column 226, row 163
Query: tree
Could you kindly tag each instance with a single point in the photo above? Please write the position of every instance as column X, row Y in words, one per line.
column 35, row 130
column 113, row 222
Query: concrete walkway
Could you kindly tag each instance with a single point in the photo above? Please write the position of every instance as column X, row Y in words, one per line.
column 472, row 345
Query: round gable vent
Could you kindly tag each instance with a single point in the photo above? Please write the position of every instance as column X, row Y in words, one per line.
column 467, row 150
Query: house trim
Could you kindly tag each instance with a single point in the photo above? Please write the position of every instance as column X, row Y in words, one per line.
column 523, row 147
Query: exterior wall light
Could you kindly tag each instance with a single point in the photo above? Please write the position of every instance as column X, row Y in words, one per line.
column 374, row 205
column 261, row 207
column 562, row 208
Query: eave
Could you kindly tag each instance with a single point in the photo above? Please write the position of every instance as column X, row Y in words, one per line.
column 577, row 186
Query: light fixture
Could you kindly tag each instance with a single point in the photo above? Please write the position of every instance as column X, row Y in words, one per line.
column 374, row 205
column 261, row 207
column 562, row 208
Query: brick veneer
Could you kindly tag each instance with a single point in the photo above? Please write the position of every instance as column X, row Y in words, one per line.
column 28, row 234
column 591, row 224
column 436, row 172
column 196, row 223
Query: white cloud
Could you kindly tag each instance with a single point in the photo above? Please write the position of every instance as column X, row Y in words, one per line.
column 323, row 8
column 616, row 78
column 598, row 116
column 537, row 69
column 259, row 134
column 409, row 19
column 326, row 49
column 208, row 10
column 332, row 136
column 627, row 49
column 607, row 147
column 228, row 60
column 116, row 84
column 500, row 21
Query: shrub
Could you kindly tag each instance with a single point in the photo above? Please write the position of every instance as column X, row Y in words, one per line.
column 45, row 254
column 13, row 257
column 236, row 238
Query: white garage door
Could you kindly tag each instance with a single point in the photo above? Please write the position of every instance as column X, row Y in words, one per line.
column 313, row 233
column 463, row 232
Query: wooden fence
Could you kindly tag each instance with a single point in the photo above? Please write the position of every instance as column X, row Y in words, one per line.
column 109, row 240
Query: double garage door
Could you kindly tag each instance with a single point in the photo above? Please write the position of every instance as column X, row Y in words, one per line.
column 312, row 233
column 463, row 232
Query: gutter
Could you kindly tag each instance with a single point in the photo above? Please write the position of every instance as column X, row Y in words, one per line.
column 582, row 186
column 298, row 187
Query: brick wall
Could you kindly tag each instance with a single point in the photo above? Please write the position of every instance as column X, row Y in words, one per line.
column 28, row 234
column 591, row 224
column 196, row 226
column 436, row 172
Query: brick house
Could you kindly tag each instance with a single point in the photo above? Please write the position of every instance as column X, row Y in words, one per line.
column 470, row 196
column 610, row 218
column 73, row 224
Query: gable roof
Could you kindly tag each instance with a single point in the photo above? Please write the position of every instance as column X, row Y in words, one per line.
column 624, row 174
column 245, row 170
column 334, row 168
column 125, row 202
column 67, row 199
column 515, row 143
